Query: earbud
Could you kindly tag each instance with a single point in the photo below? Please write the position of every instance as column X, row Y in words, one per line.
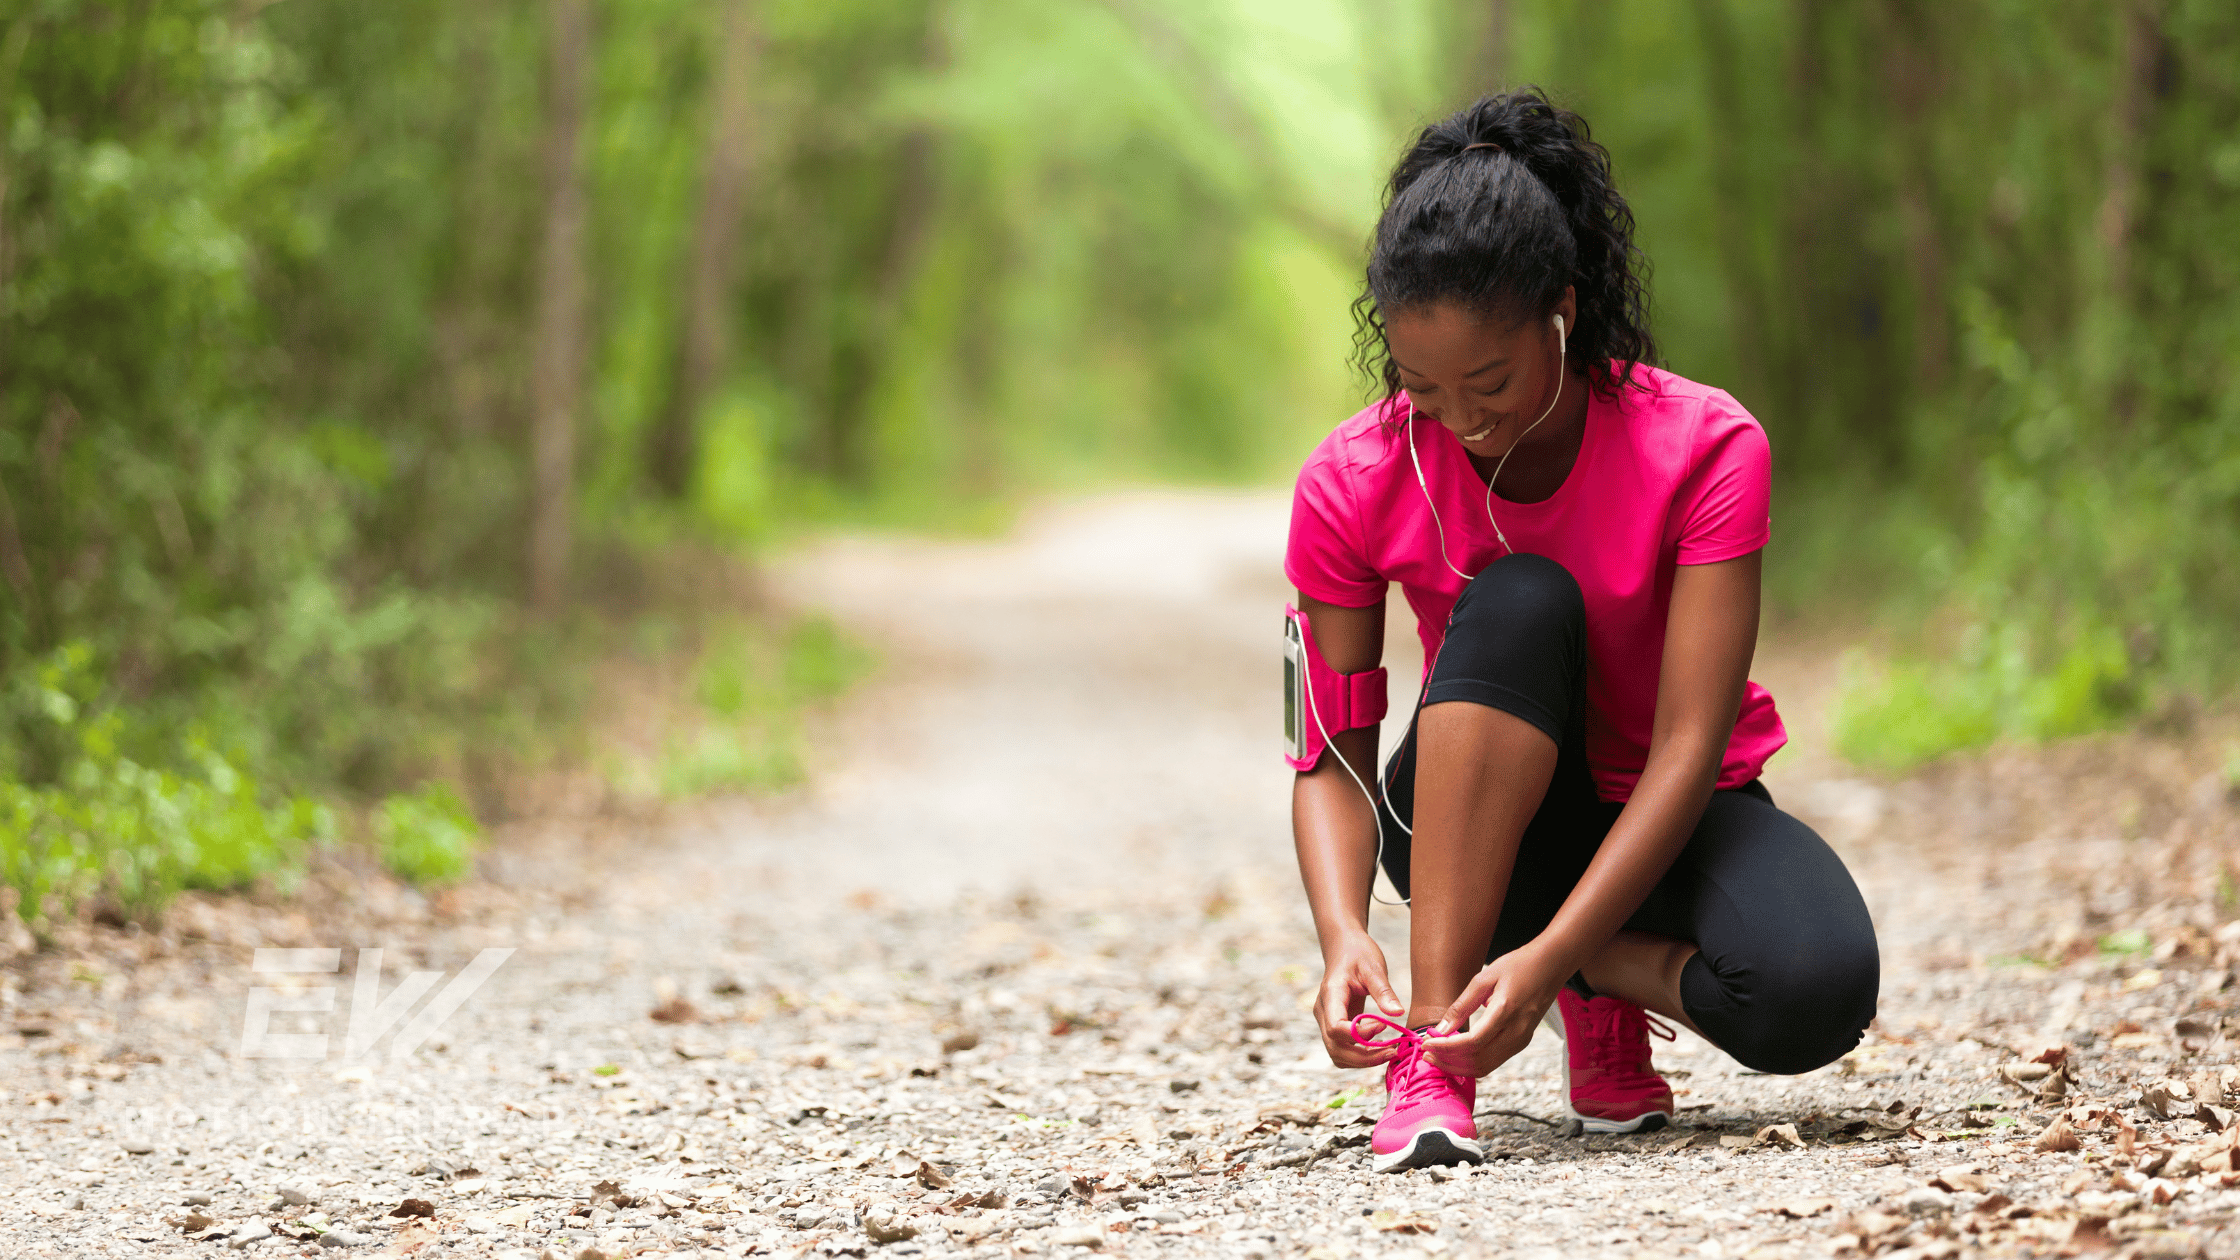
column 1560, row 347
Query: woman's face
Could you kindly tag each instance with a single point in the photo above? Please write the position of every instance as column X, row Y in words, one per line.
column 1486, row 380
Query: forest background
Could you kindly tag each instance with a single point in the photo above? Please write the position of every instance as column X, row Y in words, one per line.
column 367, row 373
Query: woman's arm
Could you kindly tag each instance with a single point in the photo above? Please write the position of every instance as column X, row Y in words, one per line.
column 1334, row 827
column 1710, row 635
column 1711, row 632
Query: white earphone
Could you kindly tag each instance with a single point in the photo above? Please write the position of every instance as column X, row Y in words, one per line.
column 1561, row 348
column 1377, row 802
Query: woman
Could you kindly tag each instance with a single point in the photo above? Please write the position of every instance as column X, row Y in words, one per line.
column 1576, row 809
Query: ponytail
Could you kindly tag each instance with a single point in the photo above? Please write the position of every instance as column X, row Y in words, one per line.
column 1497, row 209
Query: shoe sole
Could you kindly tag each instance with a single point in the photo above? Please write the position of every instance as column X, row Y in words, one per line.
column 1431, row 1146
column 1646, row 1122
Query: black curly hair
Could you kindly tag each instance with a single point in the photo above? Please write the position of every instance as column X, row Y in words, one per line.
column 1497, row 208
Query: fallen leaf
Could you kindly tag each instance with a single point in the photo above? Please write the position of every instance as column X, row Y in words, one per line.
column 2057, row 1137
column 2056, row 1053
column 2127, row 1135
column 1390, row 1222
column 2025, row 1075
column 932, row 1178
column 1735, row 1141
column 1871, row 1225
column 513, row 1217
column 2170, row 1099
column 1961, row 1178
column 675, row 1011
column 1783, row 1134
column 2217, row 1118
column 415, row 1207
column 1802, row 1209
column 1992, row 1205
column 2195, row 1033
column 191, row 1223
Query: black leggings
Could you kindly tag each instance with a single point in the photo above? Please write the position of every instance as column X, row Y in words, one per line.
column 1786, row 970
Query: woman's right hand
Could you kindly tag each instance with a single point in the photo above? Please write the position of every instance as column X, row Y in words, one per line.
column 1352, row 974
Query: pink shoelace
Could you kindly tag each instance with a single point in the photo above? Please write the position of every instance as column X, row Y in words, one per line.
column 1618, row 1029
column 1412, row 1073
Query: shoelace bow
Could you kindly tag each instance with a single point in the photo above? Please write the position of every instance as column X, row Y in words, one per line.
column 1413, row 1072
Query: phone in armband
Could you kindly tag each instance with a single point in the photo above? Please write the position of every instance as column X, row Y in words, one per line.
column 1294, row 689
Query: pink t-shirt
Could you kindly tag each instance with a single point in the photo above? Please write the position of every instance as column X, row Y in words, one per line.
column 1676, row 475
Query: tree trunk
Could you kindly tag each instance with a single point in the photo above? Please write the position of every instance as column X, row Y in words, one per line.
column 2138, row 76
column 2142, row 52
column 556, row 384
column 1912, row 80
column 726, row 168
column 1486, row 44
column 917, row 196
column 1748, row 301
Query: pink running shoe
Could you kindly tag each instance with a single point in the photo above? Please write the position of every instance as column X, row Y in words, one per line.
column 1426, row 1111
column 1609, row 1084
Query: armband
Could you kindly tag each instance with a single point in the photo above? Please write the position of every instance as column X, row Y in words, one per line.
column 1318, row 701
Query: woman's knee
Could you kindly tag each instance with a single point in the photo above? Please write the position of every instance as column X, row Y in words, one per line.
column 1516, row 642
column 1524, row 588
column 1520, row 607
column 1798, row 1012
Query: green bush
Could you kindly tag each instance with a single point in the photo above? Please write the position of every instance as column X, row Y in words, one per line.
column 109, row 825
column 751, row 683
column 1915, row 710
column 427, row 837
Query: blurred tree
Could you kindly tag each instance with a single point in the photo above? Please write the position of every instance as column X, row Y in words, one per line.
column 726, row 166
column 562, row 301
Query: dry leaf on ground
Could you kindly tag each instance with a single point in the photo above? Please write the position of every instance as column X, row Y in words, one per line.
column 675, row 1011
column 2058, row 1137
column 1960, row 1178
column 2171, row 1099
column 1390, row 1222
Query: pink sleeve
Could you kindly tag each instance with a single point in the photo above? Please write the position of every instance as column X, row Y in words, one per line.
column 1327, row 557
column 1725, row 504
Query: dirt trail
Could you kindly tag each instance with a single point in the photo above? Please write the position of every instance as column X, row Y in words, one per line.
column 1023, row 970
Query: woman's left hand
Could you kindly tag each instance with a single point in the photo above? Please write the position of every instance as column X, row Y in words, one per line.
column 1516, row 989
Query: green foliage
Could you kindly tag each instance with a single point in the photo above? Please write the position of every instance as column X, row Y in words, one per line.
column 751, row 684
column 1915, row 710
column 2129, row 943
column 427, row 837
column 108, row 825
column 268, row 283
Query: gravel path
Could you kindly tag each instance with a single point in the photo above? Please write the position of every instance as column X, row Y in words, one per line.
column 1024, row 971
